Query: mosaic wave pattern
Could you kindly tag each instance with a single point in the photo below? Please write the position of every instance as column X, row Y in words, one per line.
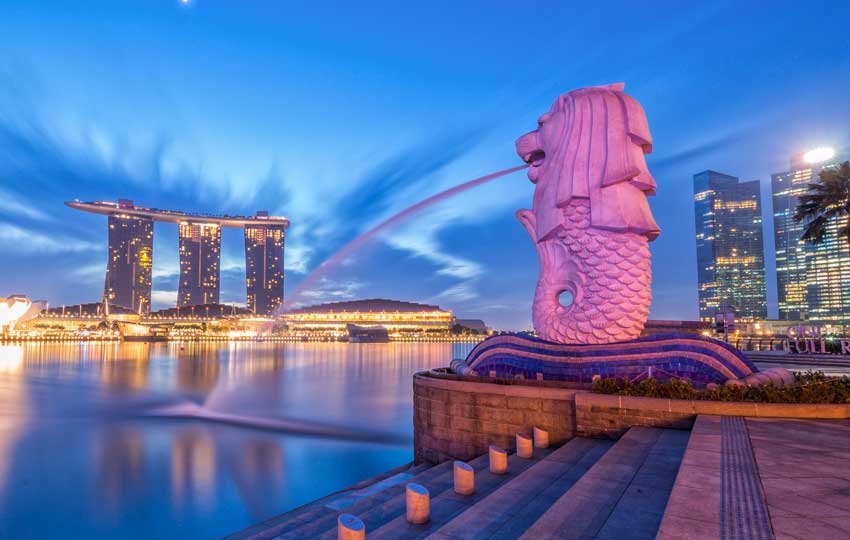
column 700, row 359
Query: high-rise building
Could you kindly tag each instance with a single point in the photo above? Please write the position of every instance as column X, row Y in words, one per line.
column 128, row 273
column 730, row 246
column 813, row 281
column 200, row 266
column 130, row 259
column 264, row 265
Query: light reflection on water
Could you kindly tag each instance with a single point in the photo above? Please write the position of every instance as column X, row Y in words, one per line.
column 78, row 457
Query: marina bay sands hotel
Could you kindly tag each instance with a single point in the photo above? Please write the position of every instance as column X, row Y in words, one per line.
column 128, row 268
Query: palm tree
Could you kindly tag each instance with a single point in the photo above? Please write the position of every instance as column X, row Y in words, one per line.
column 826, row 199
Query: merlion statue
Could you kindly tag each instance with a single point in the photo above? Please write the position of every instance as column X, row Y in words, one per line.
column 591, row 221
column 592, row 226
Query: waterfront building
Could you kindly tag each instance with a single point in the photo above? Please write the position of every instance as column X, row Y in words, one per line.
column 17, row 309
column 399, row 318
column 200, row 256
column 730, row 246
column 264, row 265
column 129, row 260
column 128, row 273
column 813, row 281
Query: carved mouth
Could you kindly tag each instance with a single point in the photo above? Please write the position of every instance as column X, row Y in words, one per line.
column 536, row 158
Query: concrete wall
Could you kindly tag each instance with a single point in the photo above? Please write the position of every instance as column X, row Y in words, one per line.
column 600, row 415
column 459, row 419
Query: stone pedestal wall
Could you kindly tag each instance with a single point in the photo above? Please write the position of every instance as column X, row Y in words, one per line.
column 457, row 419
column 599, row 415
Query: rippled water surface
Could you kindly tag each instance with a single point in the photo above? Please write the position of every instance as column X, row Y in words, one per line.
column 82, row 457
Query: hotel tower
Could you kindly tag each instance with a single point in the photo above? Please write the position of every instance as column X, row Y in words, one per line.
column 128, row 268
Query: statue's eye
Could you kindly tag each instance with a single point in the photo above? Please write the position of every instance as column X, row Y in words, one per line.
column 543, row 118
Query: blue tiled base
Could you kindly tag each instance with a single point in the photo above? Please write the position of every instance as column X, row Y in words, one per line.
column 701, row 360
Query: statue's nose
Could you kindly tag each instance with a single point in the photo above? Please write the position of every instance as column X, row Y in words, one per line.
column 527, row 145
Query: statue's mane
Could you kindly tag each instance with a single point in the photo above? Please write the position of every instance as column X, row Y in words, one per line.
column 600, row 156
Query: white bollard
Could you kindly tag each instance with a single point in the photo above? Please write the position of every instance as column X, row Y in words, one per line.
column 541, row 438
column 498, row 460
column 350, row 528
column 418, row 504
column 524, row 446
column 464, row 478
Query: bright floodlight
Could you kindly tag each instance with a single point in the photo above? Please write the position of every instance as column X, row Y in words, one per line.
column 818, row 154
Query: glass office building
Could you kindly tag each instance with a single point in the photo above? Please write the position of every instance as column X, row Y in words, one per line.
column 730, row 246
column 200, row 262
column 813, row 281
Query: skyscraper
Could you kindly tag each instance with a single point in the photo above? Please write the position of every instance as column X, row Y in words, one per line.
column 128, row 268
column 730, row 246
column 813, row 281
column 264, row 265
column 200, row 256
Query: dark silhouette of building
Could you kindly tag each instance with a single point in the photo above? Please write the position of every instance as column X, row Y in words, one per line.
column 264, row 265
column 130, row 259
column 200, row 262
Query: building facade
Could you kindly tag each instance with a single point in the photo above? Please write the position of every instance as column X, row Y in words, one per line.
column 813, row 281
column 730, row 246
column 200, row 263
column 264, row 266
column 129, row 263
column 397, row 317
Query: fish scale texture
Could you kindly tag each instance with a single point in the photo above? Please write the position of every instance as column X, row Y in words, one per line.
column 608, row 274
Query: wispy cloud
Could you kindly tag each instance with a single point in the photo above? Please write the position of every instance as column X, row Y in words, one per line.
column 329, row 290
column 17, row 205
column 14, row 239
column 461, row 292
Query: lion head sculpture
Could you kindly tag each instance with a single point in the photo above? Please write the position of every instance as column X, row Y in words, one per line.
column 591, row 145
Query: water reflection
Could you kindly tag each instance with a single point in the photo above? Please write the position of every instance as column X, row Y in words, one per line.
column 193, row 468
column 119, row 463
column 78, row 456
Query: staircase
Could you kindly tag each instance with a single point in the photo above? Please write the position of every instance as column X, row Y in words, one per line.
column 588, row 488
column 730, row 477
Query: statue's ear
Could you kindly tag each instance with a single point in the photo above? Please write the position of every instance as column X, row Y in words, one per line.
column 529, row 221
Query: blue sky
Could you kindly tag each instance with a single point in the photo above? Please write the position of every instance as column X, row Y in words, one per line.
column 339, row 114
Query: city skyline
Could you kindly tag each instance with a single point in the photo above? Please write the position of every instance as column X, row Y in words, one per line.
column 729, row 218
column 348, row 131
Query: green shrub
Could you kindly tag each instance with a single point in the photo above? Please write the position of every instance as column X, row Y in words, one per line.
column 811, row 387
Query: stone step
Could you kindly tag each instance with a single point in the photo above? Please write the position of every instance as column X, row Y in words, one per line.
column 718, row 492
column 326, row 520
column 360, row 496
column 445, row 503
column 514, row 507
column 623, row 495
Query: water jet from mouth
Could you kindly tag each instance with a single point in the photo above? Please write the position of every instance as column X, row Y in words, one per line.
column 345, row 251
